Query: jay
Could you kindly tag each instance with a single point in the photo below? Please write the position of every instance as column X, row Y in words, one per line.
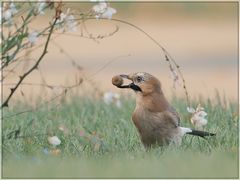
column 156, row 120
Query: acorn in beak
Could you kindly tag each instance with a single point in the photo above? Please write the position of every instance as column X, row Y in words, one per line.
column 118, row 81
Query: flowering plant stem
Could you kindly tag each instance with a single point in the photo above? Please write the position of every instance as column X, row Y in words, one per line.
column 35, row 66
column 168, row 57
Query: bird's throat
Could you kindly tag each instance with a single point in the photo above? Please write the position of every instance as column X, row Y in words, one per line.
column 154, row 102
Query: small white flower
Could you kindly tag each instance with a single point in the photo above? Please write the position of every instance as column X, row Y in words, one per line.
column 199, row 108
column 61, row 18
column 67, row 22
column 40, row 6
column 198, row 121
column 71, row 23
column 108, row 13
column 112, row 98
column 198, row 116
column 33, row 37
column 100, row 8
column 7, row 14
column 54, row 140
column 190, row 110
column 13, row 8
column 108, row 97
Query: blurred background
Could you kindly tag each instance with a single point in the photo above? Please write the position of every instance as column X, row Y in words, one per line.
column 97, row 137
column 201, row 37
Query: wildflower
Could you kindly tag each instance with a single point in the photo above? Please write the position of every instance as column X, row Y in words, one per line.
column 100, row 8
column 108, row 97
column 103, row 10
column 61, row 18
column 198, row 116
column 9, row 12
column 33, row 37
column 54, row 140
column 112, row 98
column 109, row 13
column 41, row 5
column 67, row 22
column 71, row 23
column 13, row 8
column 190, row 110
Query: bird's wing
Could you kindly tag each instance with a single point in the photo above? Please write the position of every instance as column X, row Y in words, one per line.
column 177, row 117
column 165, row 120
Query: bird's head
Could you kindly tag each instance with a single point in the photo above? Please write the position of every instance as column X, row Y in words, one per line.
column 143, row 83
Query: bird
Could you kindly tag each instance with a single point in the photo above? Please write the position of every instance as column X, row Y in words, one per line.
column 156, row 120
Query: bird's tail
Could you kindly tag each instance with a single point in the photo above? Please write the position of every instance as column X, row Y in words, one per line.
column 202, row 134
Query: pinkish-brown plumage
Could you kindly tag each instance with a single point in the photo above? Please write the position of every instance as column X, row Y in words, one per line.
column 156, row 120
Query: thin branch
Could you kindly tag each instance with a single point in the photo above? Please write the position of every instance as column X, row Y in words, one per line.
column 73, row 61
column 66, row 88
column 166, row 53
column 35, row 66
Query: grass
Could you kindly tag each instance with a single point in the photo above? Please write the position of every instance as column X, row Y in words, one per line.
column 100, row 140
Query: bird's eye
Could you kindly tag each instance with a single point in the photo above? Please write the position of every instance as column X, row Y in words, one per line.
column 139, row 79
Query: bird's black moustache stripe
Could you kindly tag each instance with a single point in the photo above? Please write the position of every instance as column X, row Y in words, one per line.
column 135, row 87
column 132, row 86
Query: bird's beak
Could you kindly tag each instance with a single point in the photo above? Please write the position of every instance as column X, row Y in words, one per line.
column 131, row 85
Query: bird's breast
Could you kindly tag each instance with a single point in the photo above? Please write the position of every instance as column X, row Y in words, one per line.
column 153, row 127
column 144, row 120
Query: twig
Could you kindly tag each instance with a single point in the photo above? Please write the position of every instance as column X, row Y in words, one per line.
column 35, row 66
column 106, row 64
column 73, row 61
column 166, row 53
column 67, row 88
column 46, row 102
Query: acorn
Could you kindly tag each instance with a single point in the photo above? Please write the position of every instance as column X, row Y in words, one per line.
column 117, row 80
